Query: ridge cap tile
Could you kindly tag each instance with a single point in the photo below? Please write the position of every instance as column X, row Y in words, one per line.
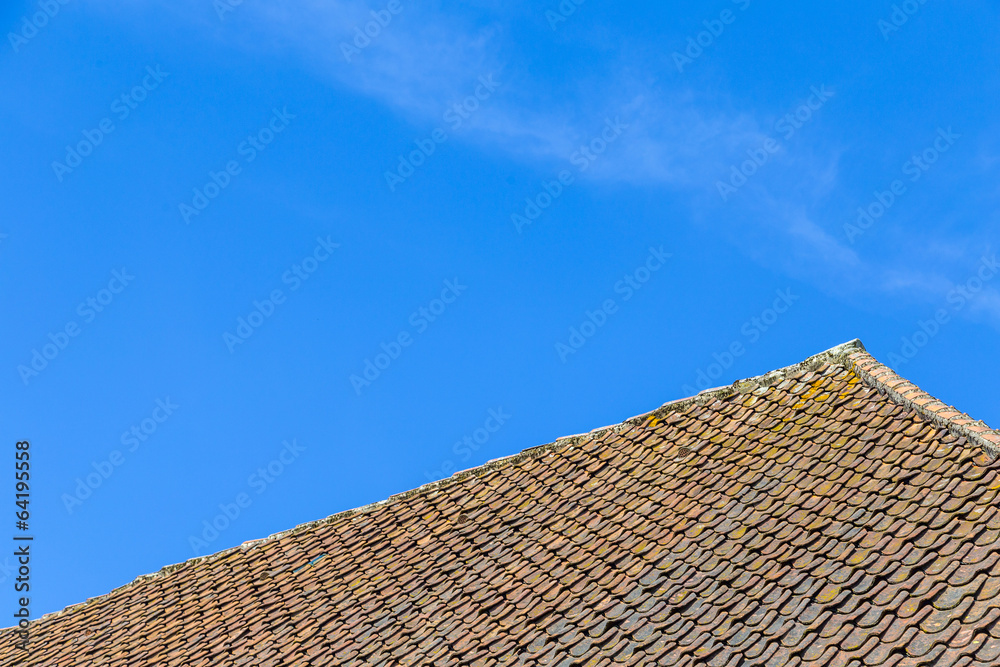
column 829, row 510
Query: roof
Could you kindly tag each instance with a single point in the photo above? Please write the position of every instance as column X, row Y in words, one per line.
column 829, row 513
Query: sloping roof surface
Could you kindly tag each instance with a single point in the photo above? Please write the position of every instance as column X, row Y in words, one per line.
column 826, row 514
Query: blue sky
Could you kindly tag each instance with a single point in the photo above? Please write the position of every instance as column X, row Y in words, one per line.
column 257, row 262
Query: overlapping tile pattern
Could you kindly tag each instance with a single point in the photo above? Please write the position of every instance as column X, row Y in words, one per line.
column 812, row 522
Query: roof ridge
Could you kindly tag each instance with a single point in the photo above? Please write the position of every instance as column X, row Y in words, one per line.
column 851, row 355
column 834, row 355
column 907, row 394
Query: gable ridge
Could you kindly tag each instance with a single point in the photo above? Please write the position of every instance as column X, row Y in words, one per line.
column 851, row 356
column 905, row 393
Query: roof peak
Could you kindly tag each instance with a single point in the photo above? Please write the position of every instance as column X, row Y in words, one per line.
column 851, row 356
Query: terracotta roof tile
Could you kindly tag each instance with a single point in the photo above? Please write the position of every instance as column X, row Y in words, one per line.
column 830, row 513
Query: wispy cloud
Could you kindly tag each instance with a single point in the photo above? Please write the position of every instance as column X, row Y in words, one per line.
column 423, row 60
column 678, row 137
